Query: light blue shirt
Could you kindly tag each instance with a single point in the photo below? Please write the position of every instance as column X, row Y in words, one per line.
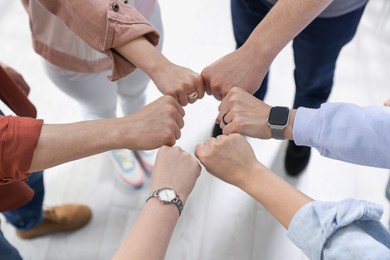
column 350, row 229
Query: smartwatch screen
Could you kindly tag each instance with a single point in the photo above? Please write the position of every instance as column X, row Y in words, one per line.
column 278, row 116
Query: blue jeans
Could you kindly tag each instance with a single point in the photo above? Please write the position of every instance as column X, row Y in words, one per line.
column 24, row 217
column 316, row 48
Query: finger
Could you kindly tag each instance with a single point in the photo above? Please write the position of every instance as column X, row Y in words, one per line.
column 180, row 121
column 179, row 108
column 206, row 82
column 183, row 99
column 177, row 133
column 217, row 96
column 192, row 97
column 200, row 88
column 228, row 129
column 220, row 115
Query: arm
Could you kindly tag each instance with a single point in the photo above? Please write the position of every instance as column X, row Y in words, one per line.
column 337, row 130
column 240, row 167
column 150, row 235
column 62, row 143
column 322, row 230
column 247, row 115
column 346, row 132
column 247, row 66
column 127, row 38
column 347, row 229
column 19, row 137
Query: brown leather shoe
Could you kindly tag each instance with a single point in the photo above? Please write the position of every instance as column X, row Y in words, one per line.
column 63, row 218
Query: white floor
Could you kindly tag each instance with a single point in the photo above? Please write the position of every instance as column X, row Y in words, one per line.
column 219, row 221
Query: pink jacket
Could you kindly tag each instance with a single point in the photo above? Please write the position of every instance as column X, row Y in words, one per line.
column 63, row 32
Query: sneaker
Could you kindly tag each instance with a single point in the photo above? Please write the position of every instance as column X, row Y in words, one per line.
column 128, row 169
column 297, row 158
column 146, row 159
column 63, row 218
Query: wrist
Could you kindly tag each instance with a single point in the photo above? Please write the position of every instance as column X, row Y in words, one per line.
column 167, row 196
column 248, row 181
column 288, row 131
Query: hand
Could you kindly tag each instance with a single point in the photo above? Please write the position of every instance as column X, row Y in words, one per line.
column 175, row 169
column 170, row 79
column 245, row 114
column 229, row 158
column 17, row 77
column 237, row 69
column 157, row 124
column 178, row 82
column 387, row 103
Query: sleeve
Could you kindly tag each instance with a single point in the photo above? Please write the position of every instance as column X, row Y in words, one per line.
column 346, row 132
column 104, row 25
column 18, row 139
column 350, row 229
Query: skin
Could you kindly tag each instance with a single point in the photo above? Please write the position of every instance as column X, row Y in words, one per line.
column 247, row 115
column 240, row 167
column 175, row 169
column 169, row 78
column 61, row 143
column 247, row 66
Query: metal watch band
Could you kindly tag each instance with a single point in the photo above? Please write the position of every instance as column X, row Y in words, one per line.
column 177, row 201
column 277, row 133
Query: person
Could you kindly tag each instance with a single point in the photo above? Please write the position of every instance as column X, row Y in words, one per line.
column 23, row 206
column 349, row 229
column 327, row 129
column 178, row 171
column 36, row 146
column 80, row 71
column 319, row 30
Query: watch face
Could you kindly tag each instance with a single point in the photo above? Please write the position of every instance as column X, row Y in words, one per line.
column 278, row 116
column 166, row 195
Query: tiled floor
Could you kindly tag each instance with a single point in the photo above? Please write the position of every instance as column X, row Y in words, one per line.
column 220, row 221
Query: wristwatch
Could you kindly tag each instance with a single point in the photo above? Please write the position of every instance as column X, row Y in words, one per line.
column 278, row 120
column 167, row 196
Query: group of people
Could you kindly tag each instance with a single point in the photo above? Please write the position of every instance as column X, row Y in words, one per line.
column 82, row 41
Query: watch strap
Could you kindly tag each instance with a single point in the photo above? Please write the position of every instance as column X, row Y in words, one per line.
column 277, row 133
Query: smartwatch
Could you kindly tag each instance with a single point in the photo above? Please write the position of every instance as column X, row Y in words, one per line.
column 167, row 196
column 277, row 121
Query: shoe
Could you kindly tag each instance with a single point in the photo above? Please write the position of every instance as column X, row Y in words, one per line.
column 63, row 218
column 216, row 131
column 297, row 158
column 128, row 169
column 146, row 159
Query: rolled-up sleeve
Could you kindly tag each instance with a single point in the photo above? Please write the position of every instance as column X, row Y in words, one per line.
column 18, row 139
column 104, row 25
column 350, row 229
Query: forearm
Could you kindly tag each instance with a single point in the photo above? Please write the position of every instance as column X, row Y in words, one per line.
column 280, row 198
column 143, row 55
column 63, row 143
column 288, row 131
column 284, row 21
column 150, row 235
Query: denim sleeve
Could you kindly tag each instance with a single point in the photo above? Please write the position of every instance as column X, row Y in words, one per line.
column 349, row 229
column 346, row 132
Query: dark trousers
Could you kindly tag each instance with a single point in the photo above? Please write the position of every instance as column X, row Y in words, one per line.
column 316, row 48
